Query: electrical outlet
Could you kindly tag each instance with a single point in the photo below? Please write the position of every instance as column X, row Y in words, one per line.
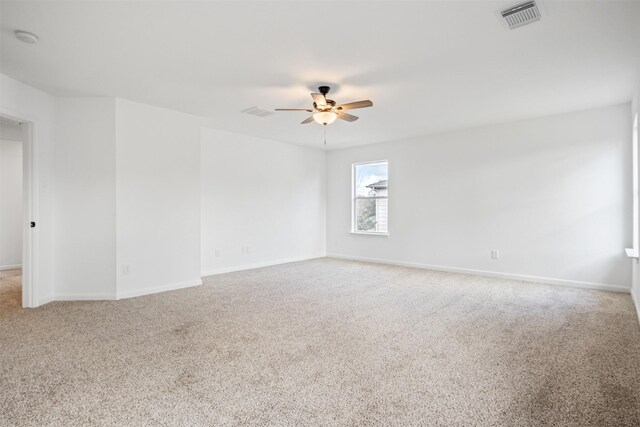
column 126, row 268
column 495, row 254
column 248, row 249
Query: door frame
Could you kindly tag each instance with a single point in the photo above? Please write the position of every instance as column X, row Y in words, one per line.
column 29, row 207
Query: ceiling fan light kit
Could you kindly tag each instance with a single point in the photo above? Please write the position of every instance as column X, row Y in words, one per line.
column 325, row 117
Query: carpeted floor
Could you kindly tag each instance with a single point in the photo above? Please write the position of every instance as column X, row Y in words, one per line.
column 326, row 342
column 10, row 292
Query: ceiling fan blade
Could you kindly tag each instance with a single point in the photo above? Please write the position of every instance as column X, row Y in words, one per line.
column 353, row 105
column 294, row 109
column 309, row 120
column 347, row 117
column 319, row 99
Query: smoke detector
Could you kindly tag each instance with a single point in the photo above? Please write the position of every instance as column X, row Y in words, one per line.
column 26, row 37
column 521, row 14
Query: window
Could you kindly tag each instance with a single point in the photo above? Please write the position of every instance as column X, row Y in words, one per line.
column 370, row 198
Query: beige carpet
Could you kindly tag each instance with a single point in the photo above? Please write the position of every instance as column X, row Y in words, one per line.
column 327, row 342
column 10, row 292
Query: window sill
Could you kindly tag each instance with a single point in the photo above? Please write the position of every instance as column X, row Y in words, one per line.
column 631, row 253
column 365, row 233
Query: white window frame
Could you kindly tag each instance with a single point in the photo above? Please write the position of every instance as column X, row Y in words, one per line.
column 355, row 198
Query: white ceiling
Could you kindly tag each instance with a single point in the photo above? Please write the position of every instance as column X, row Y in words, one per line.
column 427, row 66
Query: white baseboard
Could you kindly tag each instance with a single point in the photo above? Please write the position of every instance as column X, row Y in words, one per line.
column 10, row 267
column 127, row 294
column 520, row 277
column 83, row 297
column 158, row 289
column 43, row 301
column 260, row 265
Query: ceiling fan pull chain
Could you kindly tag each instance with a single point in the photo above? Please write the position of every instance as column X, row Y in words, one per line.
column 325, row 134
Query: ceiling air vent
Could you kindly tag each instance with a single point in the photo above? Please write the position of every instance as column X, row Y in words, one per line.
column 257, row 111
column 521, row 14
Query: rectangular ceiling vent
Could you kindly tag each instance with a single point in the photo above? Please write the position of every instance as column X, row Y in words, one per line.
column 257, row 111
column 521, row 14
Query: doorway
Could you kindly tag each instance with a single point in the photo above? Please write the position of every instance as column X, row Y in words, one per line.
column 17, row 237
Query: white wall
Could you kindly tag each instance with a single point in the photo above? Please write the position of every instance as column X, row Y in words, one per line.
column 11, row 132
column 552, row 194
column 128, row 208
column 157, row 198
column 10, row 203
column 85, row 218
column 635, row 291
column 25, row 102
column 264, row 195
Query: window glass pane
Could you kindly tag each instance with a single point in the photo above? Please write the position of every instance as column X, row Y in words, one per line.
column 371, row 179
column 371, row 215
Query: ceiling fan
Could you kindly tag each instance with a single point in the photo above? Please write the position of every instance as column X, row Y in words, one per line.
column 325, row 110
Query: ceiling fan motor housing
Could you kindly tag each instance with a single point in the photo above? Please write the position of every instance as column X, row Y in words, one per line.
column 330, row 104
